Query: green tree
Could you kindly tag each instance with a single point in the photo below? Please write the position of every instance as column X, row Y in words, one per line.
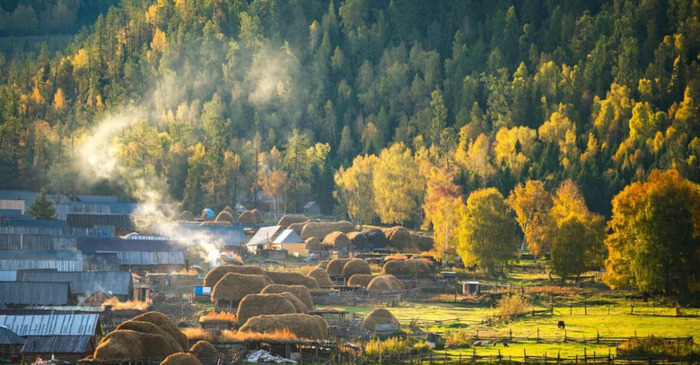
column 532, row 203
column 398, row 187
column 578, row 245
column 42, row 207
column 487, row 231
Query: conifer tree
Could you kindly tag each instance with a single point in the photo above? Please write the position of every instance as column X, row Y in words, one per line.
column 42, row 207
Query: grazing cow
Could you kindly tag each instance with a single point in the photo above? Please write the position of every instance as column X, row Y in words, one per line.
column 561, row 325
column 505, row 344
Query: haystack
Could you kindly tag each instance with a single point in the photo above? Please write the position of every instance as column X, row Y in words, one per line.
column 299, row 291
column 323, row 264
column 337, row 239
column 321, row 277
column 379, row 316
column 292, row 278
column 166, row 324
column 384, row 283
column 233, row 287
column 335, row 267
column 215, row 223
column 247, row 217
column 258, row 216
column 256, row 304
column 359, row 240
column 298, row 304
column 304, row 326
column 288, row 219
column 181, row 358
column 204, row 350
column 298, row 227
column 148, row 327
column 376, row 238
column 229, row 210
column 313, row 244
column 356, row 266
column 224, row 216
column 322, row 229
column 120, row 345
column 415, row 268
column 361, row 280
column 399, row 238
column 186, row 216
column 215, row 274
column 424, row 243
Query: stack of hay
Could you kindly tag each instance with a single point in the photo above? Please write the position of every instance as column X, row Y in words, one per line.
column 288, row 219
column 215, row 274
column 361, row 280
column 337, row 239
column 247, row 217
column 314, row 244
column 298, row 227
column 415, row 268
column 376, row 238
column 151, row 336
column 204, row 350
column 224, row 216
column 335, row 267
column 400, row 239
column 385, row 283
column 233, row 287
column 304, row 326
column 292, row 278
column 181, row 358
column 322, row 229
column 379, row 316
column 321, row 277
column 359, row 240
column 186, row 216
column 298, row 291
column 356, row 266
column 257, row 304
column 257, row 216
column 424, row 243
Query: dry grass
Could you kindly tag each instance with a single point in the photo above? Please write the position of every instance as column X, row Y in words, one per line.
column 398, row 256
column 128, row 305
column 241, row 336
column 197, row 334
column 214, row 316
column 185, row 272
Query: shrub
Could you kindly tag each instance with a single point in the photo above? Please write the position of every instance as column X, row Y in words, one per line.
column 458, row 339
column 394, row 346
column 510, row 306
column 654, row 346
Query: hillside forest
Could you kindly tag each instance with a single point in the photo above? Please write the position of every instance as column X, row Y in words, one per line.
column 418, row 113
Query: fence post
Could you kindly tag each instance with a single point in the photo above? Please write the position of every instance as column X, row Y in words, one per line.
column 511, row 334
column 564, row 335
column 524, row 355
column 585, row 306
column 597, row 336
column 473, row 356
column 538, row 334
column 445, row 356
column 585, row 357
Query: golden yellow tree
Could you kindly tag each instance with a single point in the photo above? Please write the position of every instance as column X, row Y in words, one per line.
column 354, row 189
column 398, row 187
column 532, row 204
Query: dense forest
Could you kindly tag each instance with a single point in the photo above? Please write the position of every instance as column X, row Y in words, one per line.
column 214, row 102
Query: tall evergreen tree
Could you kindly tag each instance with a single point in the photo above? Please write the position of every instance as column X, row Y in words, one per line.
column 42, row 207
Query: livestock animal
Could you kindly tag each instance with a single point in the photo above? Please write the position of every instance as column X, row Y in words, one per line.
column 561, row 325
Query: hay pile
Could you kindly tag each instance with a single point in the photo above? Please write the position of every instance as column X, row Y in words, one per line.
column 359, row 240
column 256, row 304
column 322, row 229
column 288, row 219
column 298, row 227
column 337, row 239
column 416, row 268
column 302, row 325
column 224, row 216
column 323, row 264
column 204, row 350
column 181, row 358
column 361, row 280
column 424, row 243
column 186, row 216
column 385, row 283
column 292, row 278
column 321, row 277
column 233, row 287
column 148, row 327
column 257, row 215
column 215, row 274
column 229, row 210
column 313, row 244
column 299, row 291
column 215, row 223
column 128, row 345
column 166, row 324
column 356, row 266
column 378, row 316
column 376, row 238
column 335, row 267
column 247, row 217
column 400, row 239
column 296, row 302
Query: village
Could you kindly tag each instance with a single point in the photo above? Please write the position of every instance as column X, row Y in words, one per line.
column 239, row 287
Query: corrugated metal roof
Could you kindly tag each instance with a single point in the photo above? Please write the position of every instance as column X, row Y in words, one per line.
column 100, row 262
column 8, row 275
column 115, row 283
column 62, row 210
column 218, row 235
column 10, row 212
column 288, row 236
column 52, row 324
column 31, row 293
column 120, row 222
column 32, row 264
column 14, row 241
column 264, row 235
column 118, row 244
column 137, row 258
column 39, row 223
column 7, row 337
column 57, row 345
column 105, row 232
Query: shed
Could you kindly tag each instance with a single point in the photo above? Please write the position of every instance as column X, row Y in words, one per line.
column 122, row 223
column 289, row 240
column 61, row 260
column 264, row 236
column 25, row 241
column 311, row 208
column 471, row 288
column 67, row 348
column 10, row 345
column 84, row 284
column 103, row 261
column 228, row 237
column 17, row 293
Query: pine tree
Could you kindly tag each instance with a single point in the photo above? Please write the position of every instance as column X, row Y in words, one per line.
column 42, row 207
